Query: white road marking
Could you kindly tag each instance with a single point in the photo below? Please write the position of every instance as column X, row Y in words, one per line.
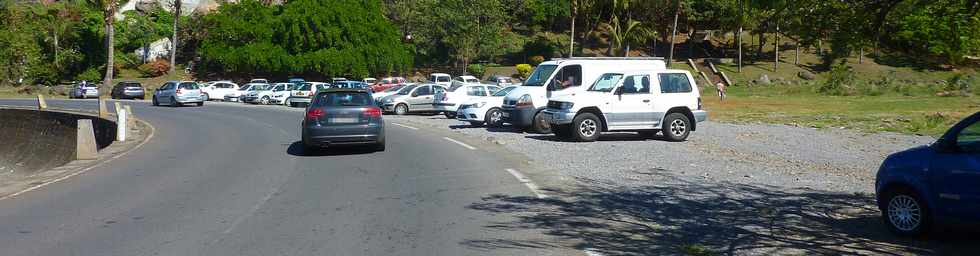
column 147, row 139
column 406, row 126
column 527, row 182
column 592, row 252
column 460, row 143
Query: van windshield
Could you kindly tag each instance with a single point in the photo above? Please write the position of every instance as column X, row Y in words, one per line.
column 540, row 75
column 605, row 83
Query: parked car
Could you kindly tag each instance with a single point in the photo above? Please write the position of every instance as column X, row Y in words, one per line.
column 413, row 98
column 343, row 117
column 388, row 82
column 178, row 93
column 501, row 81
column 629, row 101
column 301, row 95
column 484, row 110
column 258, row 94
column 218, row 90
column 461, row 80
column 442, row 79
column 380, row 95
column 934, row 184
column 448, row 101
column 370, row 81
column 295, row 80
column 523, row 106
column 84, row 90
column 128, row 90
column 236, row 95
column 279, row 93
column 337, row 79
column 349, row 85
column 259, row 81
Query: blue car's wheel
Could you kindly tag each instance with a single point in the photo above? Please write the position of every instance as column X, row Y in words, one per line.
column 904, row 212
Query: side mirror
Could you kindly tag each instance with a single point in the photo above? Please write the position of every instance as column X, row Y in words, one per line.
column 415, row 94
column 618, row 91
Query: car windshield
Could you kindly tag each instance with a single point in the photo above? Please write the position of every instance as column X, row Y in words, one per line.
column 336, row 99
column 262, row 87
column 503, row 92
column 407, row 89
column 540, row 75
column 606, row 82
column 304, row 87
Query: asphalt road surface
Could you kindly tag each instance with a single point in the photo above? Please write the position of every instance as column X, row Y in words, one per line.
column 232, row 180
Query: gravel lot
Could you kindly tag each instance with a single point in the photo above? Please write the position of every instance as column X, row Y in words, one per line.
column 771, row 155
column 730, row 189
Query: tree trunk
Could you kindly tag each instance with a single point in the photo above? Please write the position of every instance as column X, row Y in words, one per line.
column 56, row 62
column 861, row 56
column 796, row 61
column 738, row 38
column 654, row 46
column 673, row 36
column 775, row 63
column 173, row 41
column 110, row 34
column 571, row 39
column 627, row 53
column 819, row 47
column 690, row 43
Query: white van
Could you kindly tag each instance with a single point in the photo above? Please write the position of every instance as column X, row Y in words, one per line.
column 523, row 106
column 441, row 79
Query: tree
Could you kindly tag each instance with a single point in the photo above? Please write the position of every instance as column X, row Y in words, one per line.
column 622, row 34
column 173, row 42
column 108, row 8
column 947, row 28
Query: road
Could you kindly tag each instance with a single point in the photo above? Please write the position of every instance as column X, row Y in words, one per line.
column 231, row 180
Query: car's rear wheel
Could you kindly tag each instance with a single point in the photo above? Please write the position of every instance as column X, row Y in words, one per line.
column 586, row 127
column 904, row 212
column 155, row 102
column 676, row 127
column 200, row 104
column 450, row 115
column 288, row 102
column 401, row 109
column 539, row 124
column 173, row 102
column 493, row 117
column 206, row 97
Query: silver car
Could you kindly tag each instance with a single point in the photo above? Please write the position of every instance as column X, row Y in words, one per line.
column 178, row 93
column 84, row 90
column 412, row 98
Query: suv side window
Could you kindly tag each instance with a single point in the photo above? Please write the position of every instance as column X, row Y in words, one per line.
column 674, row 83
column 636, row 84
column 968, row 141
column 475, row 91
column 568, row 76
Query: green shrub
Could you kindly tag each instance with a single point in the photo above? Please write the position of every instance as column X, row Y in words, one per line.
column 535, row 60
column 155, row 68
column 524, row 70
column 476, row 70
column 93, row 74
column 840, row 82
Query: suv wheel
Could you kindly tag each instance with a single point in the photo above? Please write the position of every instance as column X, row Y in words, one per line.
column 676, row 127
column 450, row 115
column 401, row 109
column 539, row 124
column 586, row 127
column 904, row 212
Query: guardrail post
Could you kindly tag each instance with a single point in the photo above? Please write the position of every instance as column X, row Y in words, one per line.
column 118, row 107
column 41, row 104
column 131, row 119
column 121, row 124
column 85, row 145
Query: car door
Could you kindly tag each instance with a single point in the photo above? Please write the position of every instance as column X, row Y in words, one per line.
column 164, row 93
column 632, row 103
column 421, row 99
column 675, row 89
column 956, row 171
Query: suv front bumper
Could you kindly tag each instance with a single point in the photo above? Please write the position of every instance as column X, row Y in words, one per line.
column 521, row 117
column 559, row 116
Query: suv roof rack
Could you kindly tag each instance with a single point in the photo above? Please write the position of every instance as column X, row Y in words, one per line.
column 609, row 58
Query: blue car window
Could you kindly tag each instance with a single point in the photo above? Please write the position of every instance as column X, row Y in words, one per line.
column 969, row 138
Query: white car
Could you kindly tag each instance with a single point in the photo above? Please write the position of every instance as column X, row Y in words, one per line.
column 523, row 106
column 442, row 79
column 280, row 92
column 237, row 95
column 448, row 101
column 257, row 93
column 646, row 101
column 217, row 90
column 484, row 110
column 302, row 93
column 390, row 91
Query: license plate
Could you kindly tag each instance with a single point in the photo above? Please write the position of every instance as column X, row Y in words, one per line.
column 343, row 120
column 505, row 114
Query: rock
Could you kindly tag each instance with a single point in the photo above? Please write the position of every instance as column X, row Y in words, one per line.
column 764, row 80
column 807, row 75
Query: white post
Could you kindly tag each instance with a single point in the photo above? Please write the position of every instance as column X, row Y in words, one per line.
column 121, row 118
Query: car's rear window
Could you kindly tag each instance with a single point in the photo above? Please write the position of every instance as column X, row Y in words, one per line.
column 188, row 86
column 337, row 99
column 132, row 85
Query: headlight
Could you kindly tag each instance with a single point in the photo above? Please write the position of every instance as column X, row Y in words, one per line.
column 565, row 105
column 479, row 105
column 389, row 100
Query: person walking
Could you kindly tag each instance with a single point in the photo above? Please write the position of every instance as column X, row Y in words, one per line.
column 720, row 86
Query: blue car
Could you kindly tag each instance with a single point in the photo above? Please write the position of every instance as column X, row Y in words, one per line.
column 940, row 183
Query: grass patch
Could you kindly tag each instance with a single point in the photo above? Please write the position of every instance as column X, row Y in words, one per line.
column 150, row 83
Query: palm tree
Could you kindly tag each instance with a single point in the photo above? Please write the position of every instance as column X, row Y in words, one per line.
column 622, row 34
column 108, row 8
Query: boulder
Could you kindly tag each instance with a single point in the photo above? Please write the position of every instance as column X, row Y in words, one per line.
column 763, row 80
column 807, row 75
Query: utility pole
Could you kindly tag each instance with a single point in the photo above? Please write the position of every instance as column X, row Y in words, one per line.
column 173, row 41
column 775, row 64
column 738, row 36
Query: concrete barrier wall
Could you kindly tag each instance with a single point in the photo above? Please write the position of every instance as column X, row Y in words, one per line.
column 32, row 141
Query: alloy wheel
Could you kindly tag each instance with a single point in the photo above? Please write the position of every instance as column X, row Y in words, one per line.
column 588, row 127
column 904, row 213
column 678, row 127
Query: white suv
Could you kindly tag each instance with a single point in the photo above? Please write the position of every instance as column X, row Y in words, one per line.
column 664, row 100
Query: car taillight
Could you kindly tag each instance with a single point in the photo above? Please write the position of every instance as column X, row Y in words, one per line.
column 373, row 112
column 524, row 101
column 314, row 113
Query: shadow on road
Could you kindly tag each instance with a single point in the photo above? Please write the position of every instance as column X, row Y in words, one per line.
column 604, row 137
column 297, row 149
column 690, row 216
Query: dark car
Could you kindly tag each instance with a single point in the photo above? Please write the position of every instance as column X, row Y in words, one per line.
column 339, row 116
column 128, row 90
column 935, row 183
